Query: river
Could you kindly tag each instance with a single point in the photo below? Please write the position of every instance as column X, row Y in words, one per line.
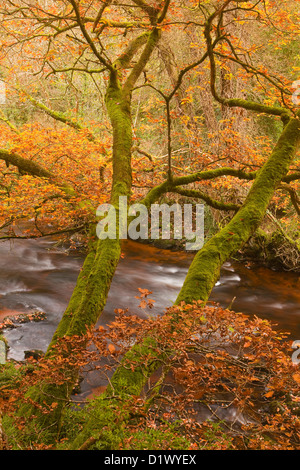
column 38, row 275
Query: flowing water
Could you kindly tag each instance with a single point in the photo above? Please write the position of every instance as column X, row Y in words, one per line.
column 37, row 275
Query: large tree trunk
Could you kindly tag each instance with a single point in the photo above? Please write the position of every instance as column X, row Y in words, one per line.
column 93, row 283
column 90, row 294
column 205, row 268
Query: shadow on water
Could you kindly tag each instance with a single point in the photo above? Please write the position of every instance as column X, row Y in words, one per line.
column 36, row 275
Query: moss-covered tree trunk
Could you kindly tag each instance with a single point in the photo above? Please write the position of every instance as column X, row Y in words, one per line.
column 205, row 268
column 93, row 284
column 202, row 275
column 90, row 294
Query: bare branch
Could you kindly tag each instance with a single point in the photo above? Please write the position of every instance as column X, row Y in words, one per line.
column 88, row 38
column 293, row 195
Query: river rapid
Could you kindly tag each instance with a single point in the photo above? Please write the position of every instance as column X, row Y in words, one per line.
column 38, row 275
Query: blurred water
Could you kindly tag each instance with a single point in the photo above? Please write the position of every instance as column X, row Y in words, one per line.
column 36, row 275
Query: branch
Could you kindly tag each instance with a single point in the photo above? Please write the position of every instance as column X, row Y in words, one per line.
column 125, row 58
column 291, row 177
column 106, row 3
column 148, row 9
column 24, row 165
column 250, row 105
column 56, row 115
column 216, row 173
column 29, row 167
column 293, row 195
column 257, row 107
column 152, row 40
column 144, row 57
column 171, row 186
column 251, row 69
column 8, row 122
column 142, row 152
column 88, row 38
column 56, row 232
column 75, row 69
column 209, row 201
column 164, row 12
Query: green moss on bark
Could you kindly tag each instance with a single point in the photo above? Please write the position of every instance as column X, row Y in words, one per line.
column 118, row 106
column 205, row 268
column 109, row 413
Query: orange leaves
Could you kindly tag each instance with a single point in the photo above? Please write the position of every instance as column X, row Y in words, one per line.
column 248, row 341
column 69, row 155
column 145, row 302
column 296, row 377
column 111, row 348
column 204, row 371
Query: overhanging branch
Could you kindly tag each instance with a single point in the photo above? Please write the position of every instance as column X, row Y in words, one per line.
column 32, row 168
column 25, row 166
column 215, row 204
column 172, row 186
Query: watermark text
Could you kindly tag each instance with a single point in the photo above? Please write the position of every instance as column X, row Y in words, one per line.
column 132, row 222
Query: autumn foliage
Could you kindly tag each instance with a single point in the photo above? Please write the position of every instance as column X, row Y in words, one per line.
column 227, row 382
column 177, row 101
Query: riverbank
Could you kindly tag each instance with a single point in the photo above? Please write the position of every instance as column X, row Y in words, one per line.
column 270, row 251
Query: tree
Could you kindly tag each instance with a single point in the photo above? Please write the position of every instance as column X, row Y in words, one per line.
column 84, row 33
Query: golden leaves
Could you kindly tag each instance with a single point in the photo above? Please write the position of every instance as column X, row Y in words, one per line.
column 296, row 377
column 145, row 302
